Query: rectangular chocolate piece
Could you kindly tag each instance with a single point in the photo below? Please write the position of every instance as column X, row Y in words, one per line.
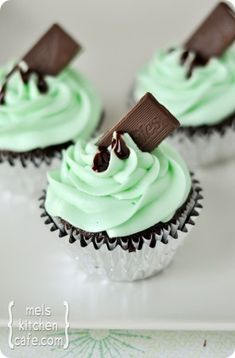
column 148, row 123
column 215, row 34
column 53, row 52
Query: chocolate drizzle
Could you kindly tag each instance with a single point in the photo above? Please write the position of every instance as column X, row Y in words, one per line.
column 119, row 146
column 3, row 93
column 196, row 61
column 25, row 76
column 102, row 158
column 184, row 57
column 42, row 84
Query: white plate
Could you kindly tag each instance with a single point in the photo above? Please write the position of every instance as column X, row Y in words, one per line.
column 196, row 292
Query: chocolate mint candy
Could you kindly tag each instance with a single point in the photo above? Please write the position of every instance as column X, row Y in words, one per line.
column 52, row 52
column 48, row 56
column 148, row 123
column 215, row 34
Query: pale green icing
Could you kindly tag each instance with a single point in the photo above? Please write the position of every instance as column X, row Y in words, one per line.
column 130, row 196
column 204, row 99
column 71, row 109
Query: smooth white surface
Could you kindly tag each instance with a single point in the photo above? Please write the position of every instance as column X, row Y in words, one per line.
column 196, row 292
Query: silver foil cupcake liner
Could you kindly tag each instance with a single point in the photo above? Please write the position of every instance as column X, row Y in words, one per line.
column 18, row 183
column 24, row 175
column 202, row 150
column 133, row 258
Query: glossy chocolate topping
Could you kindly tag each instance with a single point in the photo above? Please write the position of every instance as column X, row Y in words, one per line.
column 119, row 146
column 102, row 158
column 25, row 76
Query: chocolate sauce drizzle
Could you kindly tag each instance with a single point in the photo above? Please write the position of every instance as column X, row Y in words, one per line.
column 197, row 61
column 102, row 158
column 119, row 146
column 25, row 76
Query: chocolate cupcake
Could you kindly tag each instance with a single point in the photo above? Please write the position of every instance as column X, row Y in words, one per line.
column 126, row 210
column 196, row 82
column 44, row 107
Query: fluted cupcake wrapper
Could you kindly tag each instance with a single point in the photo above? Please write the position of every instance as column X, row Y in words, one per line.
column 17, row 182
column 24, row 175
column 133, row 258
column 35, row 158
column 204, row 150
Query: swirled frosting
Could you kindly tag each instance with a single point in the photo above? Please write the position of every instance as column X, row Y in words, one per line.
column 71, row 109
column 131, row 195
column 204, row 99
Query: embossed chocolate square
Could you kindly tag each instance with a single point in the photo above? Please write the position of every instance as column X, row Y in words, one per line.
column 215, row 34
column 53, row 52
column 148, row 123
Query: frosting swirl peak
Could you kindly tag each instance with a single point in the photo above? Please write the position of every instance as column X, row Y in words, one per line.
column 29, row 119
column 131, row 195
column 206, row 98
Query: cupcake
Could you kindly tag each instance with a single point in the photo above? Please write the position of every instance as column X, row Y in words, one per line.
column 196, row 82
column 44, row 107
column 125, row 210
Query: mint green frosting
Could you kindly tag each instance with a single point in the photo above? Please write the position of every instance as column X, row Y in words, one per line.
column 204, row 99
column 130, row 196
column 71, row 109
